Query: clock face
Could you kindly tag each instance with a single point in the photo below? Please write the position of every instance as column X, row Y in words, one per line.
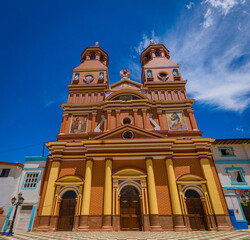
column 88, row 78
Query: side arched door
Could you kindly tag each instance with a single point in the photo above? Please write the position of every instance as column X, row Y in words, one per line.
column 67, row 211
column 195, row 210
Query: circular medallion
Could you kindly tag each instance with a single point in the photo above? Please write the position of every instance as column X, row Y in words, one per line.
column 127, row 135
column 88, row 78
column 163, row 76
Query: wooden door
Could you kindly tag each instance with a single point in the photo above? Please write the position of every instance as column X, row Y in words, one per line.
column 130, row 209
column 196, row 214
column 66, row 215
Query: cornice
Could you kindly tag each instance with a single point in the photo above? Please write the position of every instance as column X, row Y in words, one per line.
column 160, row 67
column 142, row 103
column 86, row 88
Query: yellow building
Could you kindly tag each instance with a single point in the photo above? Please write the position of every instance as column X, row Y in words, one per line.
column 129, row 155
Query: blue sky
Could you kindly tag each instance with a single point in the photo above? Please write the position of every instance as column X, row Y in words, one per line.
column 41, row 42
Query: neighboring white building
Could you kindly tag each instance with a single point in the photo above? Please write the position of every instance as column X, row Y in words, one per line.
column 29, row 185
column 232, row 161
column 10, row 174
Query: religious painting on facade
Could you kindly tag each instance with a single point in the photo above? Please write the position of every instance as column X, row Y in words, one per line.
column 176, row 121
column 79, row 124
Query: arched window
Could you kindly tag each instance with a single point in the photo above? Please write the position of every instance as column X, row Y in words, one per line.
column 175, row 72
column 157, row 54
column 69, row 195
column 92, row 56
column 126, row 120
column 190, row 193
column 101, row 58
column 129, row 190
column 148, row 57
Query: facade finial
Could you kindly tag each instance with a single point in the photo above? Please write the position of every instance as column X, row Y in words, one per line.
column 152, row 42
column 96, row 44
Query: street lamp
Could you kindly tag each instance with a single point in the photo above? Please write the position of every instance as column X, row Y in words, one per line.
column 13, row 202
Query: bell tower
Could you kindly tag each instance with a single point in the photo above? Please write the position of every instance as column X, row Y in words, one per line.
column 89, row 82
column 157, row 66
column 165, row 87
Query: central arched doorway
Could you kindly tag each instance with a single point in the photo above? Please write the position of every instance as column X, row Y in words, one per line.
column 67, row 211
column 195, row 210
column 130, row 209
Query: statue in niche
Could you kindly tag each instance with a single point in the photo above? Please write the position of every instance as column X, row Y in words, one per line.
column 149, row 74
column 175, row 72
column 76, row 77
column 101, row 75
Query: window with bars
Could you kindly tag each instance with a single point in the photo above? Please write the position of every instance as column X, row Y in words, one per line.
column 31, row 180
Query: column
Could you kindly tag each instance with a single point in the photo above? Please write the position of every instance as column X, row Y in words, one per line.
column 50, row 191
column 93, row 121
column 174, row 196
column 222, row 218
column 118, row 120
column 159, row 113
column 109, row 119
column 64, row 120
column 107, row 212
column 144, row 115
column 55, row 211
column 115, row 216
column 211, row 185
column 86, row 196
column 153, row 206
column 135, row 117
column 192, row 120
column 145, row 215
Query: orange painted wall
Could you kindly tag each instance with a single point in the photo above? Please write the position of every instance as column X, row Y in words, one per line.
column 187, row 166
column 97, row 189
column 162, row 191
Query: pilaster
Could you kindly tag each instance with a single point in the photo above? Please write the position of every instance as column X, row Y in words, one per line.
column 153, row 205
column 86, row 196
column 93, row 121
column 50, row 192
column 174, row 196
column 107, row 211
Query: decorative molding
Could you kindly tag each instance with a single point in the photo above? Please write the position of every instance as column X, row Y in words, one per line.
column 232, row 162
column 156, row 126
column 97, row 129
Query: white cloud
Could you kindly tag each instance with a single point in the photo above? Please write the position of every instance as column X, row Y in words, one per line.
column 239, row 129
column 223, row 5
column 190, row 5
column 208, row 19
column 48, row 103
column 211, row 54
column 146, row 41
column 135, row 70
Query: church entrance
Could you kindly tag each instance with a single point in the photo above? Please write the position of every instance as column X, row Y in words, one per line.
column 195, row 210
column 67, row 211
column 130, row 209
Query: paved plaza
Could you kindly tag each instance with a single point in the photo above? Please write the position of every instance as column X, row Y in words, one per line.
column 132, row 235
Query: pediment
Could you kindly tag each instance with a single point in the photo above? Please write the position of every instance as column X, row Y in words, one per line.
column 125, row 84
column 137, row 133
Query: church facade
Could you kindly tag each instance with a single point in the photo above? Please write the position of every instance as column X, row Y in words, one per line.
column 129, row 155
